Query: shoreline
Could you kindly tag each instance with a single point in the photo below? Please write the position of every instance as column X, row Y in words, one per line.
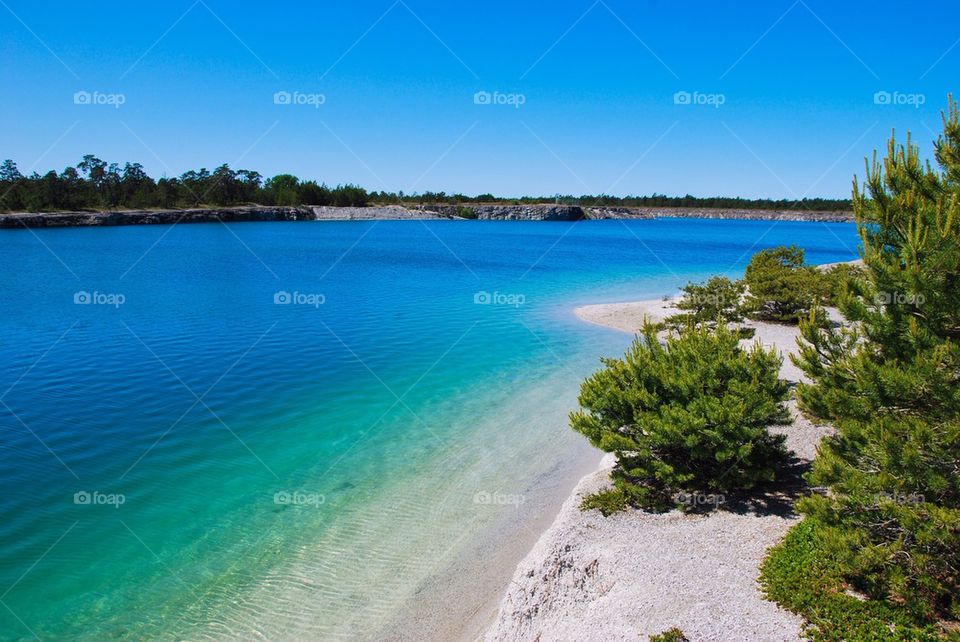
column 695, row 572
column 499, row 212
column 459, row 602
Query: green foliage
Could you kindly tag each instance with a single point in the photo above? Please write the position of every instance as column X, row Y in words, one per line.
column 802, row 575
column 781, row 288
column 310, row 193
column 670, row 635
column 283, row 189
column 466, row 212
column 349, row 195
column 889, row 383
column 95, row 184
column 606, row 200
column 901, row 352
column 717, row 299
column 688, row 415
column 893, row 511
column 607, row 501
column 835, row 282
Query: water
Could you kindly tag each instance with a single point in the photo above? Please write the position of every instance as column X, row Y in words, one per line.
column 185, row 458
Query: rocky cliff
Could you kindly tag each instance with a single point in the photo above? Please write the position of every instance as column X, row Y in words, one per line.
column 709, row 212
column 540, row 212
column 546, row 212
column 154, row 217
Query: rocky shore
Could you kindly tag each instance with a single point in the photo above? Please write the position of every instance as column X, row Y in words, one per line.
column 154, row 217
column 540, row 212
column 299, row 213
column 711, row 212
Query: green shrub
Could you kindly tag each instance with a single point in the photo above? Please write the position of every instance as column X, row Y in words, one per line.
column 802, row 575
column 691, row 415
column 670, row 635
column 717, row 299
column 893, row 512
column 466, row 212
column 835, row 282
column 608, row 501
column 781, row 288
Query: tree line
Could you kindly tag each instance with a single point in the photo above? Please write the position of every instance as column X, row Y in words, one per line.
column 605, row 200
column 96, row 184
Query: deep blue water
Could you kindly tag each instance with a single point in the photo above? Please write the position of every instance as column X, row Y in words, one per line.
column 184, row 457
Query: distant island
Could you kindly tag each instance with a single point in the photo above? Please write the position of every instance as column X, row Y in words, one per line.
column 97, row 193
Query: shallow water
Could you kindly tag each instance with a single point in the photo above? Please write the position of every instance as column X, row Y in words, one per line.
column 185, row 458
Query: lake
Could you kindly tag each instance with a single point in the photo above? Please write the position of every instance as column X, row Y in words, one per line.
column 288, row 430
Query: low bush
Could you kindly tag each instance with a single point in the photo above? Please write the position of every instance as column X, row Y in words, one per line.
column 670, row 635
column 801, row 575
column 835, row 282
column 781, row 287
column 466, row 212
column 718, row 299
column 690, row 415
column 892, row 518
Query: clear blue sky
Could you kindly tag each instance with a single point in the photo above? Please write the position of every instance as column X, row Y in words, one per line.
column 597, row 81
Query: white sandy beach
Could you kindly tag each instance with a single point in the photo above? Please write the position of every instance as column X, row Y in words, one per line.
column 635, row 574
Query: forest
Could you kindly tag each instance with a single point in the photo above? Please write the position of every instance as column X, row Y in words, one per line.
column 94, row 184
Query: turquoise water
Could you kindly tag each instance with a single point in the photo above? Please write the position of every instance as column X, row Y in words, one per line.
column 184, row 457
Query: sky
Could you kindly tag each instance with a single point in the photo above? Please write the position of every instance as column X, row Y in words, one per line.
column 778, row 99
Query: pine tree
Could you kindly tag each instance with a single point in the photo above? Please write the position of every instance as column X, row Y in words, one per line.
column 718, row 299
column 890, row 383
column 691, row 414
column 781, row 287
